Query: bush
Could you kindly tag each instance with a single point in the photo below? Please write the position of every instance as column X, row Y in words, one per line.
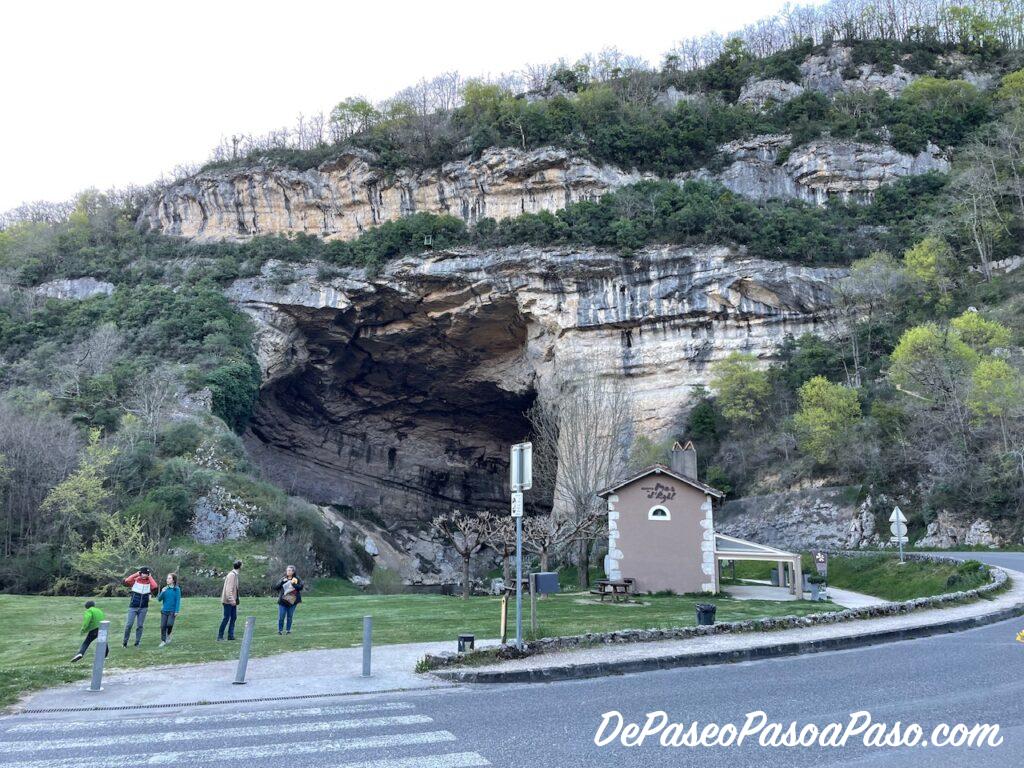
column 177, row 501
column 235, row 386
column 180, row 438
column 295, row 549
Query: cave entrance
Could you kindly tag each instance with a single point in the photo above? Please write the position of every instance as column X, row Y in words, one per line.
column 405, row 417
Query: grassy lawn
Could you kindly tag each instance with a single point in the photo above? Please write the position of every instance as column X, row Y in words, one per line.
column 41, row 633
column 882, row 576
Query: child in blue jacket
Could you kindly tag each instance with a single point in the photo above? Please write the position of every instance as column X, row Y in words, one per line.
column 170, row 606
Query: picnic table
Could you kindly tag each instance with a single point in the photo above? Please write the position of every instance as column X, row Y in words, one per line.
column 510, row 586
column 615, row 587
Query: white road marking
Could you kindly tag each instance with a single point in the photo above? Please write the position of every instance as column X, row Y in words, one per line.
column 156, row 719
column 450, row 760
column 235, row 732
column 206, row 757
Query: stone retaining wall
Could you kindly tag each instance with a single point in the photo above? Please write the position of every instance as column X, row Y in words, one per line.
column 547, row 644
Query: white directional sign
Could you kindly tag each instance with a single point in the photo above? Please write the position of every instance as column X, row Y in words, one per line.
column 517, row 504
column 521, row 467
column 899, row 529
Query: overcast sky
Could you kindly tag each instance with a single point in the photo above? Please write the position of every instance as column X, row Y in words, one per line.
column 109, row 93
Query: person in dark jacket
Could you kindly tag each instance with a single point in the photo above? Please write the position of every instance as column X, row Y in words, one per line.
column 143, row 586
column 90, row 628
column 289, row 590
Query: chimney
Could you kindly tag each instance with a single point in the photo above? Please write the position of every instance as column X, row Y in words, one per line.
column 684, row 460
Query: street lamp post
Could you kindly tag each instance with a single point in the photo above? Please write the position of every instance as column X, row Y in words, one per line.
column 520, row 479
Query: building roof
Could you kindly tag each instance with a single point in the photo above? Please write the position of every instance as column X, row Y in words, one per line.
column 731, row 545
column 662, row 470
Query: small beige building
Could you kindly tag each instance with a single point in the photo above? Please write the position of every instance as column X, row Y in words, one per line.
column 661, row 531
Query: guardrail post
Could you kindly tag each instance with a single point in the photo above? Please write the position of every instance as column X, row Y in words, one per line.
column 101, row 654
column 243, row 657
column 367, row 632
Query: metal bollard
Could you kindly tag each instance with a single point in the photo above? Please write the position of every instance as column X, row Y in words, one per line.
column 101, row 654
column 243, row 658
column 367, row 631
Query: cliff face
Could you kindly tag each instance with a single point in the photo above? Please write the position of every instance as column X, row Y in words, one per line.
column 819, row 170
column 401, row 392
column 346, row 196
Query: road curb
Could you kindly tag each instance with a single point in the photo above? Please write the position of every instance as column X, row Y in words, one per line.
column 15, row 710
column 709, row 658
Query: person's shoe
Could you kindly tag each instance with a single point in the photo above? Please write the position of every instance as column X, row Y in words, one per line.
column 288, row 632
column 77, row 657
column 137, row 645
column 220, row 639
column 124, row 644
column 168, row 640
column 231, row 639
column 162, row 644
column 280, row 632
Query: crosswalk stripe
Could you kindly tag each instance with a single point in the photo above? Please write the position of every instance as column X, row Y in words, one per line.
column 235, row 732
column 245, row 753
column 448, row 760
column 160, row 720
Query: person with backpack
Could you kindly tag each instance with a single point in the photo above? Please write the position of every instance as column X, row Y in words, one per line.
column 229, row 600
column 90, row 628
column 143, row 585
column 289, row 590
column 170, row 606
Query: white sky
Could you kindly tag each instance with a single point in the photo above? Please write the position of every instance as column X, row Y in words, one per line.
column 106, row 93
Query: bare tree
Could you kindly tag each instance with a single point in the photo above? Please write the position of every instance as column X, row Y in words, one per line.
column 977, row 212
column 543, row 535
column 154, row 397
column 466, row 533
column 579, row 437
column 40, row 450
column 92, row 357
column 874, row 283
column 501, row 537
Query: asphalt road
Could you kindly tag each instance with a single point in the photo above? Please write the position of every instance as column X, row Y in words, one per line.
column 968, row 677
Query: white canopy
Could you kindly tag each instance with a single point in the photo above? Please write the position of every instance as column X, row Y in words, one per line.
column 732, row 548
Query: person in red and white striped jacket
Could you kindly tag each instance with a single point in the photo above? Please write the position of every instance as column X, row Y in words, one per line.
column 143, row 586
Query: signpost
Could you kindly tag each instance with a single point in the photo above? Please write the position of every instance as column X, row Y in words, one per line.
column 899, row 529
column 521, row 479
column 821, row 562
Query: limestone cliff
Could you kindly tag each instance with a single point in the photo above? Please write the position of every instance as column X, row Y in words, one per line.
column 812, row 518
column 348, row 195
column 819, row 170
column 401, row 392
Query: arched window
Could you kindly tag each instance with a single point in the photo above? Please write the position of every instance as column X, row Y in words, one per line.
column 658, row 512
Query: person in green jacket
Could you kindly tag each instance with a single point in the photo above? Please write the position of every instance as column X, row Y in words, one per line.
column 90, row 628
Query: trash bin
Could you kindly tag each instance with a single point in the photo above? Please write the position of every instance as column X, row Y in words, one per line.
column 466, row 643
column 775, row 577
column 705, row 614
